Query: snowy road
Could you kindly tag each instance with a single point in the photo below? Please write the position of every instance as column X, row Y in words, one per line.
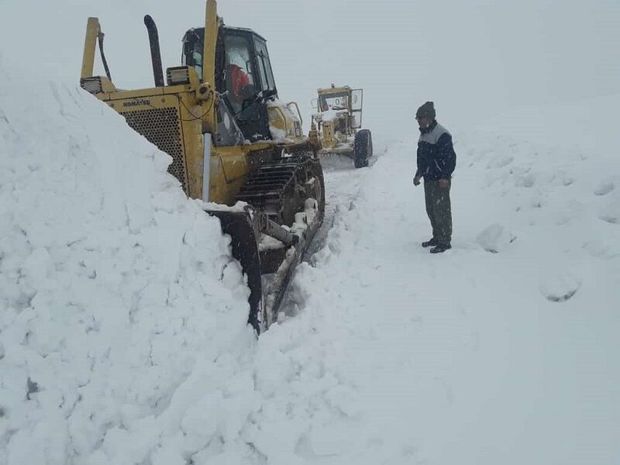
column 123, row 335
column 123, row 317
column 395, row 356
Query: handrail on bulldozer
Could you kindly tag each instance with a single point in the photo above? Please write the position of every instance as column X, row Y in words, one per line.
column 294, row 104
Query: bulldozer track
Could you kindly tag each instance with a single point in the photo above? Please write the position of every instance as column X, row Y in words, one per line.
column 278, row 187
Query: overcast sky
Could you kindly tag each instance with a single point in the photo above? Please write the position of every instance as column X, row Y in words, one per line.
column 473, row 58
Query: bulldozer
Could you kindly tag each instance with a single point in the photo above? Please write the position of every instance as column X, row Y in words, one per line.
column 338, row 123
column 234, row 145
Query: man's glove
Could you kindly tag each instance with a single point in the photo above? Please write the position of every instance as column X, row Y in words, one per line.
column 416, row 180
column 444, row 183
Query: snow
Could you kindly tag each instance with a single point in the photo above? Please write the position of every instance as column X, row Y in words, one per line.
column 330, row 115
column 123, row 331
column 398, row 356
column 238, row 207
column 123, row 335
column 119, row 299
column 494, row 238
column 277, row 134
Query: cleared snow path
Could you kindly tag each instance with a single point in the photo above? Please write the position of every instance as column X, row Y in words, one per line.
column 500, row 351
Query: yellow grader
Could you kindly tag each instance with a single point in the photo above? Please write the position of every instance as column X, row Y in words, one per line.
column 338, row 123
column 233, row 144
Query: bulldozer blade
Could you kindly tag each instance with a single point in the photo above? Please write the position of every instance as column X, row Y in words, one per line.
column 240, row 226
column 266, row 295
column 278, row 285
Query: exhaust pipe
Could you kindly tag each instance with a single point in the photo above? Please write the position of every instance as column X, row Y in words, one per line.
column 158, row 72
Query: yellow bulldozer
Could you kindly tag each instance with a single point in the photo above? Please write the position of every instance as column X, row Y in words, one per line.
column 338, row 122
column 233, row 144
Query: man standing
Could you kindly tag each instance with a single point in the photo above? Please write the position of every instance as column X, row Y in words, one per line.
column 436, row 163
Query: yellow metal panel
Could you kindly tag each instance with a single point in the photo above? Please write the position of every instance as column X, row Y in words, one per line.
column 151, row 92
column 328, row 134
column 191, row 126
column 90, row 44
column 229, row 170
column 278, row 120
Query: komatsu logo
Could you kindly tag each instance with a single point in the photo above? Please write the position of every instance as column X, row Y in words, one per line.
column 137, row 102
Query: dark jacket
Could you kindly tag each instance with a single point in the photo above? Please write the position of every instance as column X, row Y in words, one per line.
column 436, row 157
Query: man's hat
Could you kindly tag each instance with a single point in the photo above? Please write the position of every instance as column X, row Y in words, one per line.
column 426, row 111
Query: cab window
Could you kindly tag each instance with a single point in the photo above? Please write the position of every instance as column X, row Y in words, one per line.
column 264, row 66
column 192, row 49
column 238, row 75
column 334, row 102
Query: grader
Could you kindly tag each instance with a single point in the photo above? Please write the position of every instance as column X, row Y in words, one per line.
column 233, row 144
column 338, row 123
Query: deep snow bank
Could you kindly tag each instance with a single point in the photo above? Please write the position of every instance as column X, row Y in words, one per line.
column 118, row 299
column 555, row 174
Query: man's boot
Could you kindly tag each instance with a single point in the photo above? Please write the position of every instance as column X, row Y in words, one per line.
column 430, row 243
column 440, row 248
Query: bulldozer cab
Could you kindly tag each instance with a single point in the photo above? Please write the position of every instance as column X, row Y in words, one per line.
column 243, row 76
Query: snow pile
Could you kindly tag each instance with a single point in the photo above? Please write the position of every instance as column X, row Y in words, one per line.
column 120, row 308
column 494, row 238
column 561, row 287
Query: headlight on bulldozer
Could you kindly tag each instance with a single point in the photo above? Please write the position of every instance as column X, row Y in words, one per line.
column 92, row 85
column 177, row 75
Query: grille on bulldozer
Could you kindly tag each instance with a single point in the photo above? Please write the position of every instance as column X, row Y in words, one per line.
column 161, row 127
